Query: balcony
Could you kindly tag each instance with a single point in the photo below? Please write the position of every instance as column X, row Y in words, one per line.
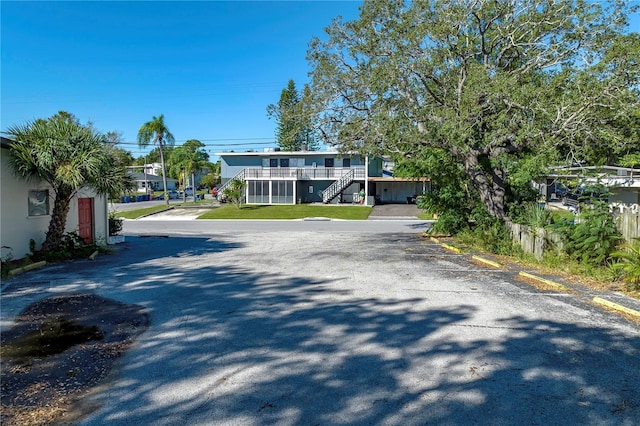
column 302, row 173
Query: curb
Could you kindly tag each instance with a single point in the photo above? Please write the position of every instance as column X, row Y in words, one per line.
column 543, row 280
column 451, row 248
column 615, row 306
column 30, row 267
column 487, row 262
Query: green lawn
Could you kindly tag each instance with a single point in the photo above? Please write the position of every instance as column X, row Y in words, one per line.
column 298, row 211
column 134, row 214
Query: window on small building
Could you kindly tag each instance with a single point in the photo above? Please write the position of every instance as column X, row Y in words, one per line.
column 273, row 162
column 38, row 202
column 284, row 162
column 346, row 162
column 328, row 162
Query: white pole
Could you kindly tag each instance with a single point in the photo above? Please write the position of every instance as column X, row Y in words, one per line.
column 146, row 183
column 366, row 180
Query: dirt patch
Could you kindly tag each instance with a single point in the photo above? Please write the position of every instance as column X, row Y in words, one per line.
column 60, row 348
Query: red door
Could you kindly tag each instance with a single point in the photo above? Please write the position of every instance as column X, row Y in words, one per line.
column 85, row 219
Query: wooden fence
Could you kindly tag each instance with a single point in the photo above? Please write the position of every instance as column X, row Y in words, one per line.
column 627, row 220
column 536, row 240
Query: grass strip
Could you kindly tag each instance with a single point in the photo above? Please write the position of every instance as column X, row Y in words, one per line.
column 134, row 214
column 302, row 211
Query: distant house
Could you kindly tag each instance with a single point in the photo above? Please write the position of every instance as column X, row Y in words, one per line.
column 290, row 177
column 25, row 211
column 622, row 182
column 152, row 182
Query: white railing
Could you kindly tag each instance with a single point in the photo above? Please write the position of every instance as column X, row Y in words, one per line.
column 303, row 173
column 239, row 176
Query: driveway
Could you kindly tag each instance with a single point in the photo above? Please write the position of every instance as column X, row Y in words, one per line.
column 329, row 328
column 395, row 211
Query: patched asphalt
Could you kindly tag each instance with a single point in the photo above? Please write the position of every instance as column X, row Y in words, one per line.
column 303, row 327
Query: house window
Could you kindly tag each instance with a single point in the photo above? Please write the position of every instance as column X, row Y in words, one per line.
column 282, row 192
column 346, row 162
column 38, row 202
column 273, row 162
column 328, row 162
column 258, row 192
column 284, row 162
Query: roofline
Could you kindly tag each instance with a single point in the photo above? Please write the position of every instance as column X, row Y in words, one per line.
column 5, row 142
column 272, row 153
column 578, row 168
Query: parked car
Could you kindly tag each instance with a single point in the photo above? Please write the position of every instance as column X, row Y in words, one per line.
column 173, row 195
column 584, row 194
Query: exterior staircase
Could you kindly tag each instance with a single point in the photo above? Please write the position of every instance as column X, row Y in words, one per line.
column 338, row 186
column 239, row 176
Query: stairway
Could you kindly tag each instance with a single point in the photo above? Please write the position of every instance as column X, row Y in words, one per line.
column 337, row 187
column 239, row 176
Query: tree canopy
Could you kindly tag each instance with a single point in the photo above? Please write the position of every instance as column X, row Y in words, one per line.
column 294, row 130
column 68, row 156
column 499, row 88
column 188, row 159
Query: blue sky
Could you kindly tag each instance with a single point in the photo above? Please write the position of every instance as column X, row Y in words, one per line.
column 210, row 67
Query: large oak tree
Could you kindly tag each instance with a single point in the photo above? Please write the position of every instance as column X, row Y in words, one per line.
column 497, row 85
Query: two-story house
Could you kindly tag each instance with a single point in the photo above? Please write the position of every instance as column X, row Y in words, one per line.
column 281, row 177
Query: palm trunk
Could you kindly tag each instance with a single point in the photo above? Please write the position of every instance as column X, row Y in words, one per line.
column 164, row 173
column 193, row 185
column 58, row 221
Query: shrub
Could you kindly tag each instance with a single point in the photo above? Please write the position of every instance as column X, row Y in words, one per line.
column 115, row 225
column 492, row 237
column 235, row 192
column 532, row 214
column 5, row 259
column 72, row 247
column 627, row 263
column 594, row 238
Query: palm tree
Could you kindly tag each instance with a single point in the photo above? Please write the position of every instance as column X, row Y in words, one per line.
column 189, row 158
column 156, row 132
column 69, row 156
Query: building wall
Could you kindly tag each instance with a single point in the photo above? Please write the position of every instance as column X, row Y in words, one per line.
column 624, row 195
column 17, row 227
column 231, row 165
column 398, row 192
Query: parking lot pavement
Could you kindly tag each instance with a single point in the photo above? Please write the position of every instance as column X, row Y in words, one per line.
column 295, row 328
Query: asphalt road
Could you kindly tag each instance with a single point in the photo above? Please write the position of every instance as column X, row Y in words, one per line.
column 306, row 326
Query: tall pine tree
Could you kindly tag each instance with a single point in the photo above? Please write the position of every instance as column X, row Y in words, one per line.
column 293, row 131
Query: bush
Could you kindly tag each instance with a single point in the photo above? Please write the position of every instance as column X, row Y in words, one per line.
column 492, row 237
column 5, row 260
column 627, row 264
column 115, row 225
column 72, row 247
column 594, row 238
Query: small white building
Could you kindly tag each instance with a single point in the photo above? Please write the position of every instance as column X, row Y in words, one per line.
column 25, row 211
